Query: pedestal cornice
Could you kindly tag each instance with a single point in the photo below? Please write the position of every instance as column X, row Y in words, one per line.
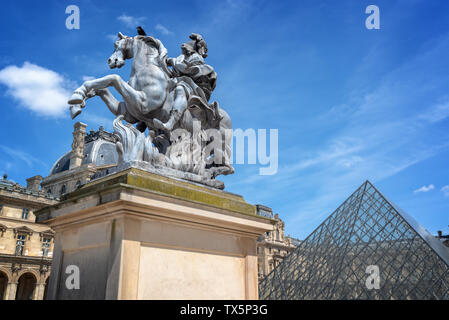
column 147, row 195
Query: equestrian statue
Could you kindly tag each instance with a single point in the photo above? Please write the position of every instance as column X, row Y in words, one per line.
column 170, row 123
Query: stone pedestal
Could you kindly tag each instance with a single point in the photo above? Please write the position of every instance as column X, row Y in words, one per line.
column 139, row 235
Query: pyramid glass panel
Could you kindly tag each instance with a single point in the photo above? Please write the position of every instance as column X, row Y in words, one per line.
column 366, row 249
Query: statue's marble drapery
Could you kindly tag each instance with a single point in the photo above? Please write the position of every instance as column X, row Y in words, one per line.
column 188, row 137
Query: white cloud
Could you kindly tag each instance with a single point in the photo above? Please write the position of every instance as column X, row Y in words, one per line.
column 38, row 89
column 436, row 113
column 425, row 188
column 112, row 37
column 22, row 156
column 163, row 29
column 340, row 151
column 130, row 21
column 349, row 162
column 225, row 12
column 380, row 130
column 445, row 190
column 87, row 78
column 95, row 121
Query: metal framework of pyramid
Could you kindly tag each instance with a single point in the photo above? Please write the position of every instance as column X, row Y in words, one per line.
column 366, row 230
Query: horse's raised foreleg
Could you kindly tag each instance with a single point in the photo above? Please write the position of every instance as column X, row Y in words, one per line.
column 129, row 94
column 111, row 102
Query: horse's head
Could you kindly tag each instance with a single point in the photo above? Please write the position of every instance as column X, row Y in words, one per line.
column 123, row 50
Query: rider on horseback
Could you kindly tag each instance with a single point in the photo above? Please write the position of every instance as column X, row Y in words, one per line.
column 195, row 81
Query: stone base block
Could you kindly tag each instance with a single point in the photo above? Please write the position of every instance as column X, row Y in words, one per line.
column 139, row 235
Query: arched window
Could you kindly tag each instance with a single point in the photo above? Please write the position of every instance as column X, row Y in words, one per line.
column 3, row 284
column 26, row 287
column 63, row 189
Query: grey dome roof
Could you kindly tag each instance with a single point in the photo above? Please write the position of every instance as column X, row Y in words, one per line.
column 99, row 149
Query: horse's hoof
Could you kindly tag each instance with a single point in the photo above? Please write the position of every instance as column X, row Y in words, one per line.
column 75, row 110
column 76, row 98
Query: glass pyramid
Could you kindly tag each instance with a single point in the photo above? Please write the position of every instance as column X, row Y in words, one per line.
column 366, row 234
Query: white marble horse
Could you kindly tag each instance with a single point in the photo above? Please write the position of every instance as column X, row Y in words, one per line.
column 146, row 92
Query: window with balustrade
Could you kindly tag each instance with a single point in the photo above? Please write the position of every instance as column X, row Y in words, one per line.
column 20, row 244
column 25, row 213
column 46, row 246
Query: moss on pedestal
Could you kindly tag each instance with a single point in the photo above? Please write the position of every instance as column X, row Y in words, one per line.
column 141, row 180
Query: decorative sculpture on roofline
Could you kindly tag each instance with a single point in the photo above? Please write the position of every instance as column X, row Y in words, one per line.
column 188, row 137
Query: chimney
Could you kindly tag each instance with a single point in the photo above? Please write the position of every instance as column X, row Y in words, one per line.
column 79, row 132
column 34, row 183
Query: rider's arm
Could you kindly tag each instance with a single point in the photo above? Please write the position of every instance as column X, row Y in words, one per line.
column 179, row 64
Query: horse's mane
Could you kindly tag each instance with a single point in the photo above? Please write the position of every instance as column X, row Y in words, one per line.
column 153, row 42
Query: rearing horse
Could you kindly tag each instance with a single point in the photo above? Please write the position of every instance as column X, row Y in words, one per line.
column 146, row 92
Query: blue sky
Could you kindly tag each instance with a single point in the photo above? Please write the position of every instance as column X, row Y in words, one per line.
column 350, row 104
